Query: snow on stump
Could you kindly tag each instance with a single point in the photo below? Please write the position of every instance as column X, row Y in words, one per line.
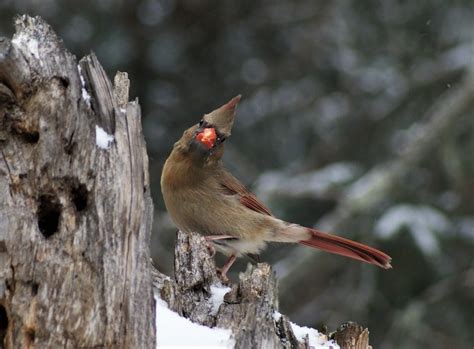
column 248, row 308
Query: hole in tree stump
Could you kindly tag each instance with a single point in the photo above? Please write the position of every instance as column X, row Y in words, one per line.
column 32, row 137
column 49, row 211
column 63, row 80
column 70, row 148
column 34, row 288
column 30, row 335
column 27, row 133
column 79, row 196
column 3, row 325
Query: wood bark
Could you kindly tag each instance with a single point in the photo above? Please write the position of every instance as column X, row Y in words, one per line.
column 75, row 218
column 248, row 308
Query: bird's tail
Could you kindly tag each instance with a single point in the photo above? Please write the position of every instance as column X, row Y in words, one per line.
column 348, row 248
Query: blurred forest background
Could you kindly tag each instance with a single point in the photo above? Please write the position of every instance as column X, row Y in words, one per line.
column 357, row 117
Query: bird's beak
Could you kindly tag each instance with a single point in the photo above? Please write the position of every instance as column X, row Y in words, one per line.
column 223, row 117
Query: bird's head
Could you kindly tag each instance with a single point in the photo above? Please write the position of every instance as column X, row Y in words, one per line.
column 206, row 138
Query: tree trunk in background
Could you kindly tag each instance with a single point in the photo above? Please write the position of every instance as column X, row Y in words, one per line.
column 249, row 308
column 75, row 211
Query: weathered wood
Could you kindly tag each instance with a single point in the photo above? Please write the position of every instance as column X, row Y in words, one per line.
column 249, row 308
column 14, row 68
column 352, row 336
column 75, row 218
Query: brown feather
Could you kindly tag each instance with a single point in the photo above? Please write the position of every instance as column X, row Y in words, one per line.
column 232, row 186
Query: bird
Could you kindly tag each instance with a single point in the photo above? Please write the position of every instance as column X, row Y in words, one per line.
column 201, row 196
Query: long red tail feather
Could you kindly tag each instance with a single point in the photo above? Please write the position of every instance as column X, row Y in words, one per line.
column 348, row 248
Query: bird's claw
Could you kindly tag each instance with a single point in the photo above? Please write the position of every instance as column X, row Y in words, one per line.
column 211, row 249
column 223, row 276
column 223, row 271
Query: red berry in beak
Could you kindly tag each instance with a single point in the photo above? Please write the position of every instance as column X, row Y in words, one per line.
column 207, row 137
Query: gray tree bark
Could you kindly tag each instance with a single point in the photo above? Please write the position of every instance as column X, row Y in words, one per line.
column 75, row 218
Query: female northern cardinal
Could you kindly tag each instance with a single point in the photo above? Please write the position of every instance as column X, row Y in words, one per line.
column 201, row 196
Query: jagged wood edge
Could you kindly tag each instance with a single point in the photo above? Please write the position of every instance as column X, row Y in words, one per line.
column 93, row 273
column 248, row 308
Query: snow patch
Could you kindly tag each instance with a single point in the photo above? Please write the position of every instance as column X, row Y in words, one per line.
column 423, row 222
column 24, row 40
column 316, row 340
column 85, row 95
column 102, row 138
column 173, row 331
column 217, row 297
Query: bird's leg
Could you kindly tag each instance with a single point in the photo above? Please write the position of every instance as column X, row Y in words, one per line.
column 225, row 268
column 218, row 237
column 211, row 238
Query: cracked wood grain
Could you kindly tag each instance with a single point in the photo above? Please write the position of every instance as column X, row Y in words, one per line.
column 75, row 219
column 248, row 308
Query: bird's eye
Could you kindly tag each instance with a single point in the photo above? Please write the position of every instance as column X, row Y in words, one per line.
column 201, row 123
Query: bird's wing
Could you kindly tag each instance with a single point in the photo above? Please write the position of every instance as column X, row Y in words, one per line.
column 232, row 186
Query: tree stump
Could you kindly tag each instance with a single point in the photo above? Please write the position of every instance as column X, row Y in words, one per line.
column 249, row 309
column 75, row 205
